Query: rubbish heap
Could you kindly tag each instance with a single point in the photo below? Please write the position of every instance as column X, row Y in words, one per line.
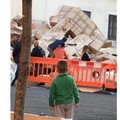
column 80, row 29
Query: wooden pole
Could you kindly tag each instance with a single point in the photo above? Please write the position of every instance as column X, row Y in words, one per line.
column 24, row 61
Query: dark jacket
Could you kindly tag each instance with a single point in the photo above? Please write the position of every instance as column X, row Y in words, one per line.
column 85, row 57
column 16, row 51
column 55, row 44
column 38, row 52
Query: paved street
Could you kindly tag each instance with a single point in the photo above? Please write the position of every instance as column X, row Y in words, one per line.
column 93, row 106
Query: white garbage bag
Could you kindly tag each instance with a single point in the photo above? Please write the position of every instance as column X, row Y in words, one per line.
column 13, row 68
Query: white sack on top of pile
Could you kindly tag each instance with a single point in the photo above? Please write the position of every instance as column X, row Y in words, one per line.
column 58, row 31
column 109, row 50
column 15, row 28
column 106, row 56
column 98, row 41
column 80, row 41
column 70, row 51
column 16, row 25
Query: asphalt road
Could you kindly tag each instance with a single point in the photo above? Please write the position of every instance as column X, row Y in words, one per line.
column 93, row 106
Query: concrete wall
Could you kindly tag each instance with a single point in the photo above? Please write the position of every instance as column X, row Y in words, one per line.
column 43, row 9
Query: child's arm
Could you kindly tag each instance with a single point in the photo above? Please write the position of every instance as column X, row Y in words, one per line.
column 52, row 96
column 76, row 94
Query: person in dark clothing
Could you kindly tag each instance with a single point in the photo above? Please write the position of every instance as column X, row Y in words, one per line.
column 54, row 45
column 85, row 54
column 37, row 51
column 16, row 56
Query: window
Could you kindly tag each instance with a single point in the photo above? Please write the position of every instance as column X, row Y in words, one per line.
column 112, row 27
column 88, row 13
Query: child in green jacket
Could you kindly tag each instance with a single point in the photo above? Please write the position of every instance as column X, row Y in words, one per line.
column 63, row 92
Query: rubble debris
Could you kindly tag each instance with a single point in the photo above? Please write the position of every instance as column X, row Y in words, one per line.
column 81, row 24
column 80, row 21
column 79, row 28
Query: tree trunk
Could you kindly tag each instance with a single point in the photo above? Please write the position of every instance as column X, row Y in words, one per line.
column 24, row 61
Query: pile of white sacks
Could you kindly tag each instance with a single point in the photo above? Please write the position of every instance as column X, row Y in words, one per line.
column 81, row 30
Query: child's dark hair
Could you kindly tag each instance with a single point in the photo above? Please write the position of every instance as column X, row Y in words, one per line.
column 62, row 66
column 86, row 47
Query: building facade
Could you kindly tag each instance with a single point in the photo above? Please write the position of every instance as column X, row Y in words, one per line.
column 102, row 12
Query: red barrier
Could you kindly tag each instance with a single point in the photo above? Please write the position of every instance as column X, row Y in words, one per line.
column 94, row 74
column 87, row 74
column 110, row 77
column 42, row 69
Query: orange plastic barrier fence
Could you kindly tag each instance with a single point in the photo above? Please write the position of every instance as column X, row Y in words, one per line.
column 42, row 69
column 87, row 74
column 94, row 74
